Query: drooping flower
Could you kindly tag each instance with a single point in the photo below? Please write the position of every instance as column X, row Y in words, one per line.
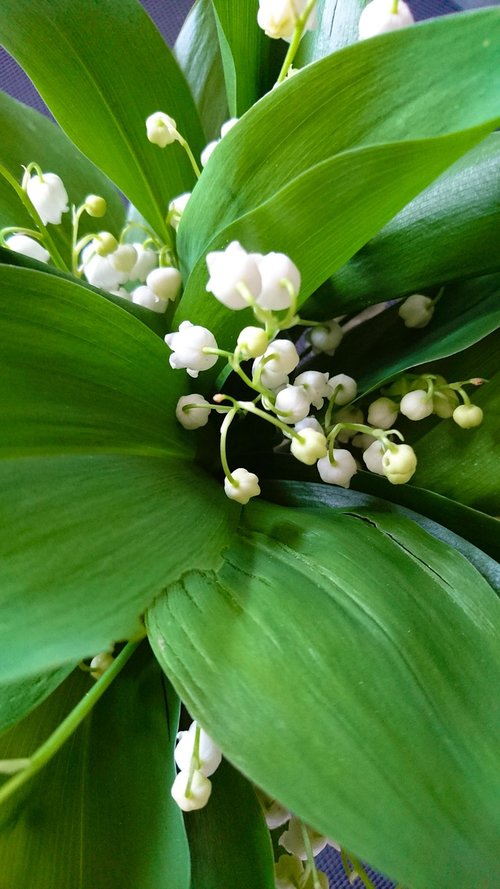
column 229, row 268
column 325, row 337
column 417, row 310
column 192, row 411
column 399, row 464
column 199, row 793
column 247, row 486
column 382, row 413
column 379, row 17
column 27, row 247
column 309, row 447
column 279, row 17
column 48, row 196
column 467, row 416
column 161, row 129
column 416, row 405
column 275, row 268
column 187, row 348
column 341, row 471
column 209, row 754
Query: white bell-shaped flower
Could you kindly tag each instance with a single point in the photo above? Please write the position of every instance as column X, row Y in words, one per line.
column 309, row 423
column 293, row 840
column 372, row 457
column 27, row 247
column 161, row 129
column 247, row 486
column 192, row 411
column 145, row 297
column 199, row 794
column 165, row 282
column 99, row 270
column 279, row 17
column 399, row 463
column 281, row 357
column 416, row 405
column 227, row 126
column 124, row 258
column 229, row 268
column 147, row 260
column 316, row 385
column 209, row 754
column 48, row 196
column 208, row 151
column 187, row 348
column 341, row 471
column 252, row 342
column 467, row 416
column 345, row 388
column 417, row 310
column 325, row 337
column 176, row 208
column 382, row 413
column 378, row 18
column 275, row 268
column 292, row 404
column 309, row 447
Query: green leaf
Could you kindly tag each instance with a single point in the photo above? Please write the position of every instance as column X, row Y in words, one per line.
column 197, row 52
column 99, row 491
column 29, row 136
column 361, row 658
column 244, row 858
column 245, row 52
column 463, row 464
column 17, row 699
column 102, row 69
column 343, row 202
column 450, row 231
column 459, row 63
column 337, row 27
column 100, row 814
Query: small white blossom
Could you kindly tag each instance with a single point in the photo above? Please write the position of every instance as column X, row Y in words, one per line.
column 274, row 268
column 292, row 404
column 147, row 260
column 227, row 126
column 229, row 268
column 274, row 813
column 161, row 129
column 208, row 151
column 210, row 755
column 382, row 413
column 99, row 270
column 187, row 348
column 310, row 447
column 252, row 342
column 316, row 385
column 416, row 405
column 378, row 18
column 144, row 296
column 340, row 472
column 201, row 788
column 279, row 17
column 399, row 464
column 100, row 663
column 165, row 282
column 95, row 205
column 347, row 388
column 373, row 457
column 467, row 416
column 247, row 486
column 27, row 247
column 417, row 310
column 281, row 357
column 124, row 258
column 48, row 196
column 192, row 417
column 325, row 337
column 309, row 423
column 176, row 208
column 293, row 841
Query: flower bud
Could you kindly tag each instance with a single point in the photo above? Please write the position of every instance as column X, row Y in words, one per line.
column 229, row 268
column 187, row 348
column 95, row 206
column 347, row 388
column 309, row 447
column 192, row 411
column 208, row 753
column 274, row 268
column 382, row 413
column 417, row 310
column 399, row 464
column 280, row 357
column 144, row 296
column 104, row 243
column 325, row 337
column 292, row 404
column 341, row 471
column 176, row 208
column 247, row 486
column 252, row 342
column 27, row 246
column 416, row 405
column 100, row 663
column 372, row 457
column 124, row 258
column 378, row 18
column 199, row 794
column 48, row 196
column 161, row 129
column 467, row 416
column 165, row 282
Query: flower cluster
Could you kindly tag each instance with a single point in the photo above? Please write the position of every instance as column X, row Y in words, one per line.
column 197, row 757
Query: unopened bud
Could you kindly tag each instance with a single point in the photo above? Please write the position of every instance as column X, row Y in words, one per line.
column 95, row 205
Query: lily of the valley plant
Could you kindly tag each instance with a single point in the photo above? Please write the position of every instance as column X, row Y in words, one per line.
column 249, row 447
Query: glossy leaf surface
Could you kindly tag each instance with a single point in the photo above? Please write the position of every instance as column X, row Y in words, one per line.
column 370, row 651
column 337, row 27
column 245, row 51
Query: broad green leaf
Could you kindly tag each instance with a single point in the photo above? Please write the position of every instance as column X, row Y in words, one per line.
column 337, row 27
column 343, row 202
column 245, row 52
column 18, row 698
column 450, row 231
column 383, row 347
column 100, row 814
column 99, row 491
column 463, row 464
column 228, row 840
column 29, row 136
column 360, row 656
column 102, row 69
column 351, row 99
column 197, row 52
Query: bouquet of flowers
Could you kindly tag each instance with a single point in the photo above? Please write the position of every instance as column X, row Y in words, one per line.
column 249, row 388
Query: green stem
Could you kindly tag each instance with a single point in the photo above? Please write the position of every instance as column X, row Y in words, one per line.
column 195, row 760
column 363, row 876
column 394, row 7
column 250, row 408
column 345, row 863
column 190, row 155
column 46, row 238
column 311, row 866
column 224, row 429
column 294, row 43
column 69, row 725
